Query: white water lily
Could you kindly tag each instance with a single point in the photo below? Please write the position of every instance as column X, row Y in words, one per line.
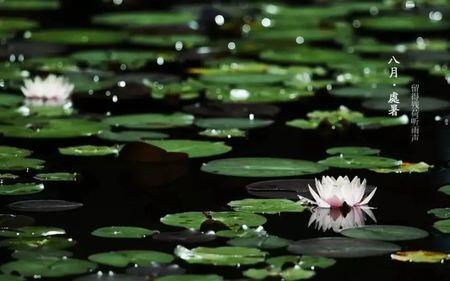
column 52, row 87
column 334, row 219
column 333, row 193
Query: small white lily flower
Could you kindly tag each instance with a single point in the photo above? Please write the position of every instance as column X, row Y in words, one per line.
column 52, row 87
column 333, row 193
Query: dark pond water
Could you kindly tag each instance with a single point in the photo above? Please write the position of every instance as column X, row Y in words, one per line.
column 117, row 193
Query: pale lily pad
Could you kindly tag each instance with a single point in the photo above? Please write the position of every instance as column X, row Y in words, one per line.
column 141, row 19
column 232, row 123
column 191, row 277
column 11, row 152
column 50, row 267
column 442, row 225
column 194, row 220
column 44, row 206
column 405, row 167
column 123, row 232
column 420, row 256
column 360, row 162
column 137, row 257
column 226, row 256
column 442, row 213
column 37, row 243
column 192, row 148
column 29, row 5
column 56, row 176
column 266, row 206
column 353, row 150
column 9, row 100
column 445, row 189
column 18, row 164
column 150, row 121
column 223, row 133
column 255, row 94
column 405, row 23
column 131, row 136
column 78, row 36
column 262, row 167
column 338, row 247
column 261, row 242
column 31, row 231
column 21, row 188
column 385, row 232
column 89, row 150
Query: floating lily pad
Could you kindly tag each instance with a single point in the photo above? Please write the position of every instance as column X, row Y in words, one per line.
column 262, row 167
column 44, row 206
column 227, row 256
column 21, row 188
column 261, row 242
column 89, row 150
column 17, row 24
column 10, row 152
column 40, row 254
column 405, row 167
column 141, row 19
column 420, row 256
column 385, row 232
column 306, row 262
column 29, row 5
column 242, row 232
column 360, row 162
column 185, row 236
column 78, row 36
column 353, row 150
column 243, row 78
column 150, row 121
column 123, row 232
column 368, row 92
column 181, row 41
column 192, row 148
column 338, row 247
column 289, row 274
column 442, row 225
column 308, row 56
column 266, row 206
column 50, row 267
column 255, row 94
column 194, row 220
column 137, row 257
column 405, row 23
column 220, row 109
column 7, row 277
column 9, row 100
column 52, row 128
column 111, row 277
column 426, row 104
column 185, row 90
column 191, row 277
column 381, row 121
column 37, row 243
column 156, row 270
column 18, row 164
column 232, row 123
column 15, row 221
column 31, row 231
column 53, row 64
column 445, row 189
column 8, row 176
column 57, row 176
column 442, row 213
column 131, row 136
column 223, row 133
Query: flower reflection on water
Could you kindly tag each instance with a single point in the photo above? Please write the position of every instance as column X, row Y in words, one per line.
column 339, row 219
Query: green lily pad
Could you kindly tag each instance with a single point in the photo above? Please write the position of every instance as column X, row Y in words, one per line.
column 137, row 257
column 185, row 90
column 78, row 36
column 223, row 133
column 123, row 232
column 385, row 232
column 150, row 121
column 18, row 164
column 52, row 64
column 405, row 167
column 352, row 150
column 40, row 254
column 37, row 243
column 190, row 277
column 442, row 225
column 89, row 150
column 242, row 232
column 305, row 262
column 307, row 56
column 405, row 23
column 7, row 24
column 232, row 123
column 420, row 256
column 266, row 206
column 88, row 83
column 8, row 176
column 445, row 189
column 261, row 242
column 181, row 41
column 368, row 92
column 131, row 136
column 255, row 94
column 50, row 267
column 192, row 148
column 31, row 231
column 52, row 128
column 12, row 152
column 7, row 277
column 360, row 162
column 381, row 121
column 262, row 167
column 29, row 5
column 426, row 104
column 442, row 213
column 194, row 220
column 290, row 274
column 334, row 118
column 140, row 19
column 21, row 188
column 226, row 256
column 10, row 100
column 243, row 78
column 56, row 176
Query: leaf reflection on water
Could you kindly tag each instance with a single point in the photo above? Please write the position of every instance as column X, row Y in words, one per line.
column 337, row 219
